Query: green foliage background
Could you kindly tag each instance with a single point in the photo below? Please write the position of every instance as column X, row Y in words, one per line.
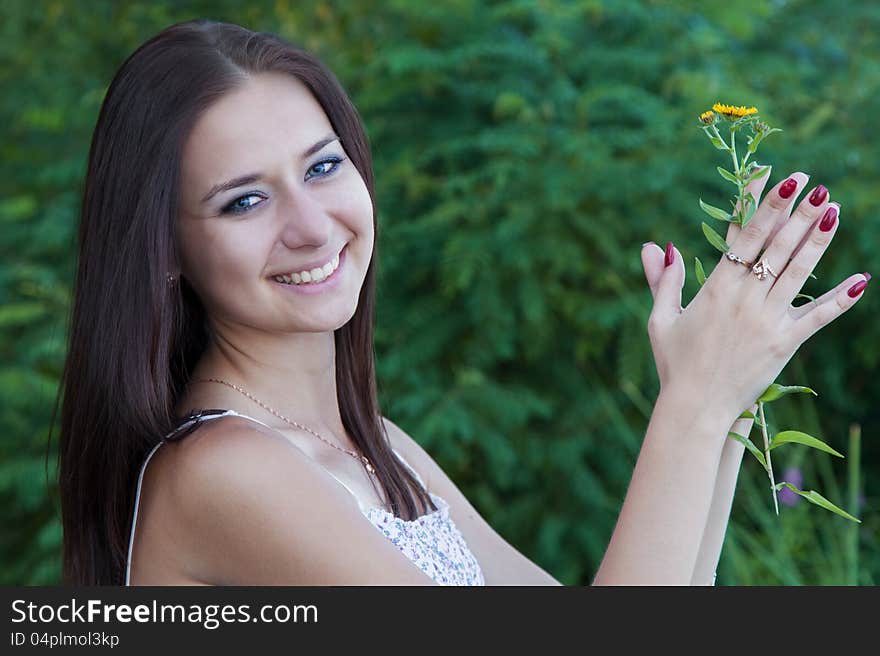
column 523, row 152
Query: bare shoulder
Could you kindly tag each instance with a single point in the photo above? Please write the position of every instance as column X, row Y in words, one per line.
column 255, row 510
column 501, row 563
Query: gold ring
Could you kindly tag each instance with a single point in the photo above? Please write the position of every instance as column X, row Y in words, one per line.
column 736, row 258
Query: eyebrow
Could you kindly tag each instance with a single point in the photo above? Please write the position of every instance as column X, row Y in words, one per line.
column 254, row 177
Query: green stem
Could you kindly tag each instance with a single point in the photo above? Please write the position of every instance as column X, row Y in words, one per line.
column 733, row 151
column 718, row 136
column 767, row 456
column 736, row 171
column 855, row 438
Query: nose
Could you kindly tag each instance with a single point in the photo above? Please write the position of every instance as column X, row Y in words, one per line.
column 304, row 219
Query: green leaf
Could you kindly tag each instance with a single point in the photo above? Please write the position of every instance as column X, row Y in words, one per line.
column 727, row 175
column 715, row 212
column 698, row 271
column 814, row 497
column 749, row 415
column 757, row 174
column 715, row 239
column 751, row 206
column 753, row 143
column 776, row 391
column 750, row 446
column 798, row 437
column 718, row 143
column 805, row 296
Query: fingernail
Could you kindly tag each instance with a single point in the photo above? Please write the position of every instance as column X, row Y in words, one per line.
column 788, row 187
column 646, row 243
column 818, row 196
column 828, row 219
column 857, row 289
column 670, row 253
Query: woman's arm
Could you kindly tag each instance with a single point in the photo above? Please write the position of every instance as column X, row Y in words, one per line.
column 659, row 533
column 722, row 501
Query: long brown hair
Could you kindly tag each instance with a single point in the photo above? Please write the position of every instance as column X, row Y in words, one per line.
column 132, row 339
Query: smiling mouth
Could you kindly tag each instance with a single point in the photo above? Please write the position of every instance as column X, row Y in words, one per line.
column 313, row 276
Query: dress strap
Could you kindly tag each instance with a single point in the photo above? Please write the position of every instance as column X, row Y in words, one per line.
column 195, row 417
column 137, row 496
column 189, row 424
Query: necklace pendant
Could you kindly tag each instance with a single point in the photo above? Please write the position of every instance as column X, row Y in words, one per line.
column 368, row 466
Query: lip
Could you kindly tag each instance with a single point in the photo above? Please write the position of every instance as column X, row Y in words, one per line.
column 318, row 287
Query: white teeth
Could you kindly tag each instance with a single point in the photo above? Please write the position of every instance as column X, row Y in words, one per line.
column 315, row 275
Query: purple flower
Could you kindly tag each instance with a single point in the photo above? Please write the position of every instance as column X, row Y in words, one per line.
column 794, row 476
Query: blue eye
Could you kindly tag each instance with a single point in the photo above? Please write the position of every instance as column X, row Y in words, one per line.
column 236, row 208
column 336, row 161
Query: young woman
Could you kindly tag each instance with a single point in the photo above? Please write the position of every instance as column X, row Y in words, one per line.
column 220, row 422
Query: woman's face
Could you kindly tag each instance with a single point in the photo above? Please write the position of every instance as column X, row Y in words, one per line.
column 290, row 210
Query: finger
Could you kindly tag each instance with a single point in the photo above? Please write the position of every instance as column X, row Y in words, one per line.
column 818, row 234
column 799, row 311
column 821, row 314
column 775, row 207
column 755, row 188
column 652, row 263
column 667, row 298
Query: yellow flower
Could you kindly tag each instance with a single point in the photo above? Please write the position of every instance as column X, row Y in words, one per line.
column 730, row 111
column 708, row 117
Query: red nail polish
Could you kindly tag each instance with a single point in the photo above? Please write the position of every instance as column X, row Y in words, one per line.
column 818, row 196
column 857, row 289
column 670, row 253
column 788, row 187
column 829, row 219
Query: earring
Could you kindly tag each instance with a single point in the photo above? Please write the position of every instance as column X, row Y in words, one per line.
column 171, row 279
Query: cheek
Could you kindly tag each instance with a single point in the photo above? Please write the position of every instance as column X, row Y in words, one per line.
column 211, row 261
column 359, row 210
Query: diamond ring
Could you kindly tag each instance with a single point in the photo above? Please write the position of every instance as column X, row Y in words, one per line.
column 762, row 268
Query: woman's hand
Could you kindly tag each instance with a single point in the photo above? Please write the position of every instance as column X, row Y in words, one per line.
column 736, row 335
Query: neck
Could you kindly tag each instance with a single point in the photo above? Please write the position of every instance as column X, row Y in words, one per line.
column 296, row 378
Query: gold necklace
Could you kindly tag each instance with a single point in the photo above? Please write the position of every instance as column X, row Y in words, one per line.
column 360, row 457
